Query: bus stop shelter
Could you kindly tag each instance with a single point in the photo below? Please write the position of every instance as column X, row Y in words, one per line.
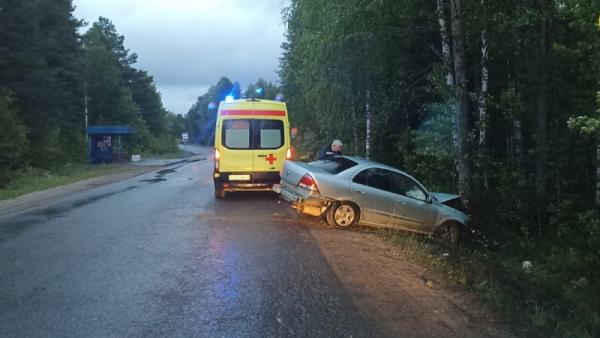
column 105, row 143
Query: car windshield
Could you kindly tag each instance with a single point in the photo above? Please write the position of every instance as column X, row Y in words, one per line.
column 334, row 165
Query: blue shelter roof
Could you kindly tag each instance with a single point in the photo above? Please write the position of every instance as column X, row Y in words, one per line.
column 109, row 130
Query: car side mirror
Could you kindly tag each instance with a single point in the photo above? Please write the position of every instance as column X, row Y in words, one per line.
column 429, row 199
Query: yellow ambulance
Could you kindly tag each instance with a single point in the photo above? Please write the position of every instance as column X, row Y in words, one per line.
column 252, row 141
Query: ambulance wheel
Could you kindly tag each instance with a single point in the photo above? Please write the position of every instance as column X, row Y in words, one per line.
column 219, row 193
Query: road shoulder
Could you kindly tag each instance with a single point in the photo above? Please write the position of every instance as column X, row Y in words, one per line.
column 37, row 199
column 404, row 298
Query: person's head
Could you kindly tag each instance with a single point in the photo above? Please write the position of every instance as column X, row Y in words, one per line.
column 336, row 145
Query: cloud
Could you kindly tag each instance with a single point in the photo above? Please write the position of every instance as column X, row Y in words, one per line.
column 179, row 99
column 190, row 44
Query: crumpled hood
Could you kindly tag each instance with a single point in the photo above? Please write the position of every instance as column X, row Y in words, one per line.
column 443, row 197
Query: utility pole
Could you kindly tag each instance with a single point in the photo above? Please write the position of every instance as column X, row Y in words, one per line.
column 85, row 105
column 368, row 131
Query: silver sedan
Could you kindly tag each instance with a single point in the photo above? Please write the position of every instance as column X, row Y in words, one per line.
column 351, row 190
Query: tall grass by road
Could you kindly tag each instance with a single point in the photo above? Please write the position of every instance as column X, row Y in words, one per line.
column 27, row 180
column 545, row 292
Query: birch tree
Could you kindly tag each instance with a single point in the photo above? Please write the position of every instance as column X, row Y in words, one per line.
column 462, row 111
column 441, row 14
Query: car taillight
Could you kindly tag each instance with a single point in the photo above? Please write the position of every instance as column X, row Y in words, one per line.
column 288, row 154
column 217, row 158
column 308, row 182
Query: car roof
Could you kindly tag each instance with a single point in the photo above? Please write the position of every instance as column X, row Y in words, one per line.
column 363, row 161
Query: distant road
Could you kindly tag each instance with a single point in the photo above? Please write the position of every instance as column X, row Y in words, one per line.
column 197, row 149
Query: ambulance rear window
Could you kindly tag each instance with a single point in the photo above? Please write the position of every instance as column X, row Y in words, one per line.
column 270, row 134
column 253, row 134
column 236, row 134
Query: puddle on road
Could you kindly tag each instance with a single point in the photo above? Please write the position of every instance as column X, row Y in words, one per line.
column 93, row 199
column 12, row 229
column 154, row 180
column 159, row 175
column 51, row 213
column 165, row 171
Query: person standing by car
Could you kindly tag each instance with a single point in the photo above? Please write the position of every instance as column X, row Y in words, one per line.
column 333, row 149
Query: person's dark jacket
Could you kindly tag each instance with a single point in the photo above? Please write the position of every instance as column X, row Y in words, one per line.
column 327, row 152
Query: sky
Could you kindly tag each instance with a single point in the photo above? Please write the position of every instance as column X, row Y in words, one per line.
column 187, row 45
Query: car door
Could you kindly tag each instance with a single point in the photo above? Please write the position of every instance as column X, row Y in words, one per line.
column 370, row 189
column 412, row 208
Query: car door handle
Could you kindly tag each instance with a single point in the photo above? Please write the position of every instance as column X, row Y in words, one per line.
column 360, row 192
column 262, row 155
column 400, row 202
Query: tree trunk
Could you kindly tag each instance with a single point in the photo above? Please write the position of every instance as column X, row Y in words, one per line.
column 518, row 150
column 448, row 64
column 483, row 92
column 541, row 121
column 445, row 42
column 482, row 101
column 368, row 122
column 517, row 147
column 354, row 130
column 598, row 174
column 462, row 113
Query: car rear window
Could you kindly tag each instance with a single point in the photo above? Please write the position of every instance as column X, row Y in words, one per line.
column 252, row 134
column 334, row 165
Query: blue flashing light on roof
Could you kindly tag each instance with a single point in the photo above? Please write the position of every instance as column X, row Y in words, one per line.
column 229, row 98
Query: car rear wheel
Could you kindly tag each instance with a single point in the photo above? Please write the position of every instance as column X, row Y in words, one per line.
column 342, row 215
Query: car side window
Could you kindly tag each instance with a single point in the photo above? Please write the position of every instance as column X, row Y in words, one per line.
column 374, row 178
column 406, row 186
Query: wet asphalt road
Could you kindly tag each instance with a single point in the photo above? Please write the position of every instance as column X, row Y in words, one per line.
column 157, row 255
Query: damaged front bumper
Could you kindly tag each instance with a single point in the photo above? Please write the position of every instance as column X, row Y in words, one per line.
column 310, row 204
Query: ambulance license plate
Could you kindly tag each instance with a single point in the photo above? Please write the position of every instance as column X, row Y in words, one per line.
column 239, row 177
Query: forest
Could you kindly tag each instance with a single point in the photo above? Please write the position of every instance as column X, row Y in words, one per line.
column 498, row 101
column 51, row 75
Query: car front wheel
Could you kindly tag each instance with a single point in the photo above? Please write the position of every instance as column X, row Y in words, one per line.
column 449, row 232
column 342, row 215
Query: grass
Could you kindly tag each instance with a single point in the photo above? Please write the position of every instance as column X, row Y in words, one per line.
column 537, row 302
column 29, row 180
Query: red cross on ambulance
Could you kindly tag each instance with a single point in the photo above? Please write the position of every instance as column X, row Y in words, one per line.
column 271, row 159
